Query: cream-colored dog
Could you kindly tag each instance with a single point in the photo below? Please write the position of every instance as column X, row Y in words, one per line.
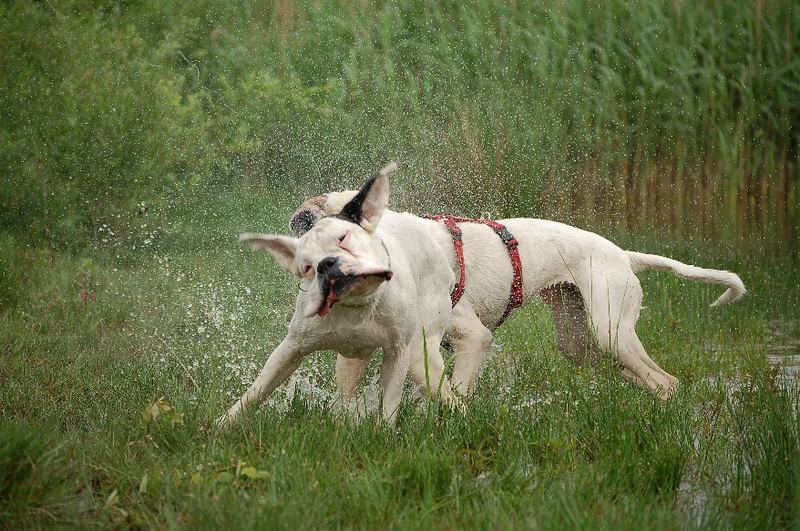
column 589, row 283
column 369, row 278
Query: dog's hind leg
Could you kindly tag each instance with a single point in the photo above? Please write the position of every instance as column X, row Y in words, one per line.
column 571, row 321
column 470, row 341
column 643, row 367
column 614, row 308
column 428, row 371
column 349, row 371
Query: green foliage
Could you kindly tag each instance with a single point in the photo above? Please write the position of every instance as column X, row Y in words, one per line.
column 767, row 442
column 110, row 405
column 267, row 118
column 35, row 482
column 567, row 109
column 91, row 120
column 20, row 449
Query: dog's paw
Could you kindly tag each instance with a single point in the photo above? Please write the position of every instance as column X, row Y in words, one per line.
column 224, row 422
column 454, row 403
column 665, row 393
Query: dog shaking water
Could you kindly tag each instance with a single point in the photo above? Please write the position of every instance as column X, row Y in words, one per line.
column 370, row 278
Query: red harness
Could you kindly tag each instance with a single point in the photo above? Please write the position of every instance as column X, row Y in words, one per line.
column 515, row 300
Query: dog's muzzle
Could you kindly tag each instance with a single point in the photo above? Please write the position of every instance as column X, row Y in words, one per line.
column 336, row 279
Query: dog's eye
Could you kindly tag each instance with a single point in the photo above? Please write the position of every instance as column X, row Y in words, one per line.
column 344, row 242
column 307, row 269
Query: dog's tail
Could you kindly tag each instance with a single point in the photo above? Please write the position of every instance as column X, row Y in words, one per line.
column 735, row 291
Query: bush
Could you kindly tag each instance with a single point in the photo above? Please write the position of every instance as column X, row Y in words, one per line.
column 557, row 109
column 92, row 120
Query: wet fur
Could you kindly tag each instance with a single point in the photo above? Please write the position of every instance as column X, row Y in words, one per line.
column 396, row 311
column 588, row 282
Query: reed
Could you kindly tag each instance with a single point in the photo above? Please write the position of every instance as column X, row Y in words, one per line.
column 672, row 116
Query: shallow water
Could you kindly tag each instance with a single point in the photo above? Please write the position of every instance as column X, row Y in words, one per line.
column 783, row 346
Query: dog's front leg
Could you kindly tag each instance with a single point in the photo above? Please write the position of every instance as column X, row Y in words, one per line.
column 279, row 366
column 393, row 376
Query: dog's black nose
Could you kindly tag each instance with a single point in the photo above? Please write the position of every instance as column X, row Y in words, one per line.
column 326, row 264
column 302, row 222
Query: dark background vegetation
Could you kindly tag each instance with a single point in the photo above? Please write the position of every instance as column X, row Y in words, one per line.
column 680, row 116
column 137, row 138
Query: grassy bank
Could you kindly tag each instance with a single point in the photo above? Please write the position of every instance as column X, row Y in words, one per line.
column 108, row 403
column 137, row 139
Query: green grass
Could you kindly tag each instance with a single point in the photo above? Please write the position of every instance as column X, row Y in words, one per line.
column 138, row 138
column 191, row 316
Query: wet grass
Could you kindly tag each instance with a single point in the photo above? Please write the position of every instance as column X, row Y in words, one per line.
column 139, row 138
column 107, row 406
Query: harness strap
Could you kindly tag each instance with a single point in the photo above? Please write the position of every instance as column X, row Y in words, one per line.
column 458, row 247
column 517, row 295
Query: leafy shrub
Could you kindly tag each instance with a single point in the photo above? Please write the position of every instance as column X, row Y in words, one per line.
column 92, row 121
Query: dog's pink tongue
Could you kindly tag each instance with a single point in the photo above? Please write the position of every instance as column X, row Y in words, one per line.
column 331, row 299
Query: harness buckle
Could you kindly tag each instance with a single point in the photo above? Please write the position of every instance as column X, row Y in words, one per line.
column 507, row 237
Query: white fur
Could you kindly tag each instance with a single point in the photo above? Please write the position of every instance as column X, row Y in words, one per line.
column 393, row 315
column 605, row 305
column 735, row 291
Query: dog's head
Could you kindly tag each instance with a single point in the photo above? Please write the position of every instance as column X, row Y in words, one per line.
column 339, row 258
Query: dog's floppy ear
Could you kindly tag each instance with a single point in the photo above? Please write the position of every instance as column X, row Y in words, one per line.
column 281, row 247
column 367, row 207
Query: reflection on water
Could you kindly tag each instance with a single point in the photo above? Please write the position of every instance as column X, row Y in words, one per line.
column 783, row 346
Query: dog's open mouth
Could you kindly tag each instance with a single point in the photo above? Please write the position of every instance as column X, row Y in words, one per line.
column 334, row 287
column 339, row 279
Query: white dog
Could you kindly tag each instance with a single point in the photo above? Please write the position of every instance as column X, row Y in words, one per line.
column 588, row 282
column 369, row 278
